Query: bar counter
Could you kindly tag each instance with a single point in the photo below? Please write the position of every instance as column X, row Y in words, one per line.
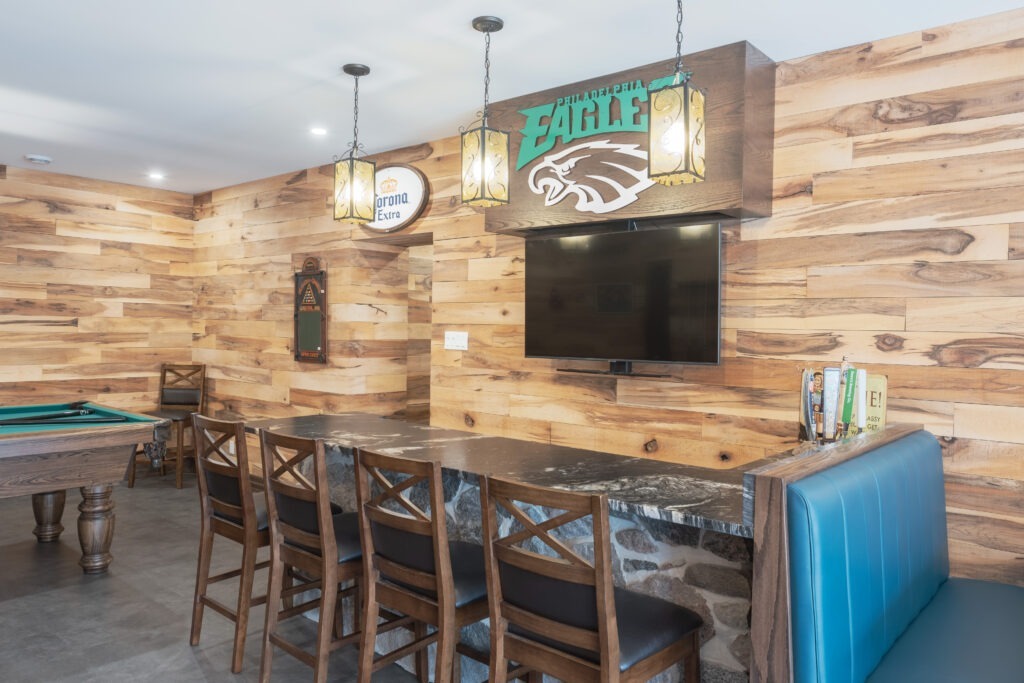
column 682, row 494
column 678, row 531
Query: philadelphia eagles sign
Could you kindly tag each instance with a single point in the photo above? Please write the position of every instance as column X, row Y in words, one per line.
column 600, row 175
column 578, row 152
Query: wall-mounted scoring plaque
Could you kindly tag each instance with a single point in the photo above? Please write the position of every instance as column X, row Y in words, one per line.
column 311, row 312
column 401, row 197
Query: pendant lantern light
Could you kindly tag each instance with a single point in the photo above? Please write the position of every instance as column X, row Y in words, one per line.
column 355, row 194
column 676, row 142
column 485, row 150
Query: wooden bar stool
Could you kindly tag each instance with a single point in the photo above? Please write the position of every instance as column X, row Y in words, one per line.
column 411, row 567
column 228, row 509
column 182, row 392
column 556, row 611
column 313, row 540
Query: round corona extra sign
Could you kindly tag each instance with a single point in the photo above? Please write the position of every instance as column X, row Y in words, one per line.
column 401, row 197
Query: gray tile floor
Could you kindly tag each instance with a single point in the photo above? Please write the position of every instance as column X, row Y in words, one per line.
column 58, row 625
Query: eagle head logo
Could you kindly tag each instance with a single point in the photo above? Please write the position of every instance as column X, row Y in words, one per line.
column 603, row 175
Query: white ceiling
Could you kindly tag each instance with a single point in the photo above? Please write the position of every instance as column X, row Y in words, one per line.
column 218, row 92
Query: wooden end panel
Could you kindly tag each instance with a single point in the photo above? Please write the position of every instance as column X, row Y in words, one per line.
column 39, row 473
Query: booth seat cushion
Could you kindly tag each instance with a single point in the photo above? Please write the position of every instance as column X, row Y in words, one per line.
column 868, row 551
column 970, row 631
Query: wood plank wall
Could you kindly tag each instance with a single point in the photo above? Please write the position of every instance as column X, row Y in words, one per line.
column 421, row 270
column 897, row 240
column 250, row 240
column 95, row 289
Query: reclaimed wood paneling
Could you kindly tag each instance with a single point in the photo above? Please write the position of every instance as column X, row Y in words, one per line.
column 896, row 218
column 982, row 243
column 421, row 262
column 899, row 193
column 814, row 314
column 896, row 239
column 986, row 527
column 932, row 176
column 984, row 457
column 93, row 297
column 983, row 350
column 250, row 239
column 966, row 314
column 919, row 279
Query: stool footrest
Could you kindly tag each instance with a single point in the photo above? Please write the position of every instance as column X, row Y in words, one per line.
column 393, row 656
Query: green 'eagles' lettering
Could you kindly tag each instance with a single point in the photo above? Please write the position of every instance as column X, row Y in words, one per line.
column 595, row 112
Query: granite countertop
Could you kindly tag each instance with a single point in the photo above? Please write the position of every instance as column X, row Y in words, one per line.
column 683, row 494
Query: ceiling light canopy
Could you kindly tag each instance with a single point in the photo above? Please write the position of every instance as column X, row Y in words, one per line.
column 355, row 194
column 485, row 150
column 676, row 135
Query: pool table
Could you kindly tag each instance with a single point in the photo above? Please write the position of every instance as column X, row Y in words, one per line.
column 46, row 449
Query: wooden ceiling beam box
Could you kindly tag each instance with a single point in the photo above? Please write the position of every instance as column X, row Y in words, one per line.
column 579, row 152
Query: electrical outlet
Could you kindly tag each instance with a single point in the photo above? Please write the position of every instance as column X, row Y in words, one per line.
column 456, row 341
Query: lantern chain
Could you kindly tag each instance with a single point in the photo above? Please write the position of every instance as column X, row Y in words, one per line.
column 679, row 37
column 355, row 119
column 487, row 73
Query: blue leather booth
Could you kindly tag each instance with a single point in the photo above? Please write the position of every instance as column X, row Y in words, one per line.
column 871, row 595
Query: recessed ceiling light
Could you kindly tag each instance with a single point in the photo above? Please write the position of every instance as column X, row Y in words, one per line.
column 318, row 130
column 156, row 175
column 40, row 159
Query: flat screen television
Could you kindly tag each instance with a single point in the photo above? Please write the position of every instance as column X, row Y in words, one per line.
column 648, row 291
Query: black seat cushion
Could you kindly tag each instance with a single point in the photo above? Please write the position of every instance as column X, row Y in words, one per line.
column 346, row 535
column 646, row 624
column 562, row 601
column 417, row 551
column 262, row 518
column 301, row 514
column 173, row 414
column 468, row 572
column 227, row 490
column 180, row 396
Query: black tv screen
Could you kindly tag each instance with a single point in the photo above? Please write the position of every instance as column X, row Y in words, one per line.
column 647, row 294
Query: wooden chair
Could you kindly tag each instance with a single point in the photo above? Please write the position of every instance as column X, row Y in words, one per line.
column 412, row 568
column 182, row 392
column 555, row 611
column 311, row 539
column 229, row 509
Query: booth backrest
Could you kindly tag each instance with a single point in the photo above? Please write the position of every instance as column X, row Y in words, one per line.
column 867, row 551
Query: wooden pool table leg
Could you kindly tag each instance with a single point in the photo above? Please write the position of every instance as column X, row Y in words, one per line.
column 96, row 527
column 48, row 508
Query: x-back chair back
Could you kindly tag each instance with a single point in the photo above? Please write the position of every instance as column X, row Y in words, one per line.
column 555, row 609
column 182, row 392
column 229, row 509
column 411, row 566
column 310, row 538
